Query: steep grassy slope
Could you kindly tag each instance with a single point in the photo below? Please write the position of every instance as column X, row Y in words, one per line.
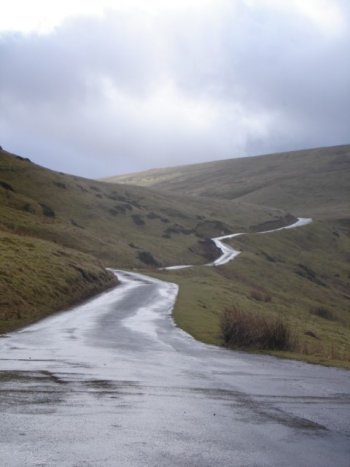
column 311, row 183
column 112, row 222
column 57, row 231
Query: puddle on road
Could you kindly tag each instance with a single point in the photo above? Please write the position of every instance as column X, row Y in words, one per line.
column 259, row 411
column 42, row 391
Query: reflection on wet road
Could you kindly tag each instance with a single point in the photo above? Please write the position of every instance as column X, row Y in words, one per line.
column 114, row 383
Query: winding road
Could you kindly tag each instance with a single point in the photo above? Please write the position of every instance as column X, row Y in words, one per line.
column 114, row 382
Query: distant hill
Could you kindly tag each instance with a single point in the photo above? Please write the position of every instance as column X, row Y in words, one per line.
column 313, row 182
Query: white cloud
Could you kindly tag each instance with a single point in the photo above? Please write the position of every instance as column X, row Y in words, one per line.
column 42, row 16
column 326, row 15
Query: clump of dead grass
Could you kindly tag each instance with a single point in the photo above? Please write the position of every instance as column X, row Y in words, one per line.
column 248, row 330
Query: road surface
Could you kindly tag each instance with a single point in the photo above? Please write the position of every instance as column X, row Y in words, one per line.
column 115, row 383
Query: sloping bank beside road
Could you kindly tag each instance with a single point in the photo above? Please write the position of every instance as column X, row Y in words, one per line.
column 38, row 278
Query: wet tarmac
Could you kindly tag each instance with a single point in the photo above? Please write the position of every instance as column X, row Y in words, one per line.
column 114, row 383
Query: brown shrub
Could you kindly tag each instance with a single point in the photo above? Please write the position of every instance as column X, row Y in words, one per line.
column 250, row 330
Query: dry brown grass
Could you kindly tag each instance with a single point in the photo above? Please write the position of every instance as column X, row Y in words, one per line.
column 250, row 330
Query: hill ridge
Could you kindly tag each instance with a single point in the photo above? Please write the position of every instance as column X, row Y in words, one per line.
column 281, row 180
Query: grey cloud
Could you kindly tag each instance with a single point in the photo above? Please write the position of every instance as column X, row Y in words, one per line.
column 68, row 62
column 270, row 61
column 83, row 98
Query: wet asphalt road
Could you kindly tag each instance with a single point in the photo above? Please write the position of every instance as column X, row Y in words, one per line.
column 115, row 383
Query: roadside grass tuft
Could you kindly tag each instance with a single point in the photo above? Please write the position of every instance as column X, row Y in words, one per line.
column 247, row 330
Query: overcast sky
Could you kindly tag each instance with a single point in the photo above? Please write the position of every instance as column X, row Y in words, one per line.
column 103, row 87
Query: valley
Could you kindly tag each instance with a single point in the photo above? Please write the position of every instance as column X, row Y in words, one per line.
column 70, row 228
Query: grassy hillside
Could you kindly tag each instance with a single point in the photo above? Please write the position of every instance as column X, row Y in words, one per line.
column 301, row 276
column 57, row 231
column 114, row 222
column 311, row 183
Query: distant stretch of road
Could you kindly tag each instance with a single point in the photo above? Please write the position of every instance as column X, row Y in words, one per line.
column 228, row 253
column 114, row 382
